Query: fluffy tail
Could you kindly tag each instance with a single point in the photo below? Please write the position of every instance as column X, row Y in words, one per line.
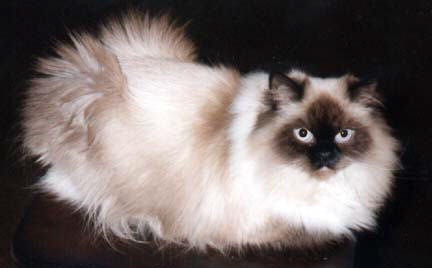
column 135, row 35
column 65, row 106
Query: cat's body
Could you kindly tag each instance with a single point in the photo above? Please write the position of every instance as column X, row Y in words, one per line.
column 142, row 138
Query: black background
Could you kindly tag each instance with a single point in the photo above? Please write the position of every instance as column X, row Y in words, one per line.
column 390, row 40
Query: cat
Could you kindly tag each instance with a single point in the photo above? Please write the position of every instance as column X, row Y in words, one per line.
column 144, row 139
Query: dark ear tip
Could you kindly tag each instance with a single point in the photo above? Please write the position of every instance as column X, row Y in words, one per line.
column 274, row 77
column 361, row 86
column 362, row 83
column 280, row 81
column 365, row 92
column 277, row 79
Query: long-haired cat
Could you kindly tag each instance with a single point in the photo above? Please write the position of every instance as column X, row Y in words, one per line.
column 143, row 138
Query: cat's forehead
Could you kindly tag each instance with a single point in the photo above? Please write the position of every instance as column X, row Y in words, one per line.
column 325, row 100
column 335, row 86
column 328, row 113
column 325, row 110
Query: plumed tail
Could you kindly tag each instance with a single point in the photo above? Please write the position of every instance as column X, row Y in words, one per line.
column 64, row 105
column 135, row 36
column 71, row 89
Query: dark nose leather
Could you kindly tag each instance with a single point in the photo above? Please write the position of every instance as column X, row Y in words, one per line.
column 324, row 155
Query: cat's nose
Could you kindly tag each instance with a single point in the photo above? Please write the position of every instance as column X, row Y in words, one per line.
column 326, row 158
column 324, row 155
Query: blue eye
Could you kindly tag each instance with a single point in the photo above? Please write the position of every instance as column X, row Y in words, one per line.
column 303, row 135
column 344, row 135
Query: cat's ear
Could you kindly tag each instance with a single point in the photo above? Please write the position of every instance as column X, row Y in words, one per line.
column 365, row 92
column 282, row 90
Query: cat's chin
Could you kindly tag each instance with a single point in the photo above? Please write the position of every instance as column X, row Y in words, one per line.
column 324, row 173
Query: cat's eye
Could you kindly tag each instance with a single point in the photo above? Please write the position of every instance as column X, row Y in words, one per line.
column 303, row 135
column 344, row 135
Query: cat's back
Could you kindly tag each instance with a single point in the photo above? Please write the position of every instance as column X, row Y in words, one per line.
column 139, row 74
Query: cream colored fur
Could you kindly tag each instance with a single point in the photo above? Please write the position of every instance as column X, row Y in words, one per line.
column 143, row 138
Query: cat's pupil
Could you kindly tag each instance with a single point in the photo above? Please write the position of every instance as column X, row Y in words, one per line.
column 303, row 133
column 344, row 133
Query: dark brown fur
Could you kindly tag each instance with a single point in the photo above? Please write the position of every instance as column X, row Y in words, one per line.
column 324, row 118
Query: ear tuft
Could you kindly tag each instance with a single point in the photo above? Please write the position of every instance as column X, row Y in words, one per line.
column 365, row 92
column 283, row 89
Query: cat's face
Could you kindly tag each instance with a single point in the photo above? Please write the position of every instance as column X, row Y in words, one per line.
column 324, row 139
column 327, row 135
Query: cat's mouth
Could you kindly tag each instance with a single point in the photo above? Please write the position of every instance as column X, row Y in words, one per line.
column 324, row 172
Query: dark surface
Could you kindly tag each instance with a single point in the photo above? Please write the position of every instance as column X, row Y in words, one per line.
column 388, row 39
column 51, row 235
